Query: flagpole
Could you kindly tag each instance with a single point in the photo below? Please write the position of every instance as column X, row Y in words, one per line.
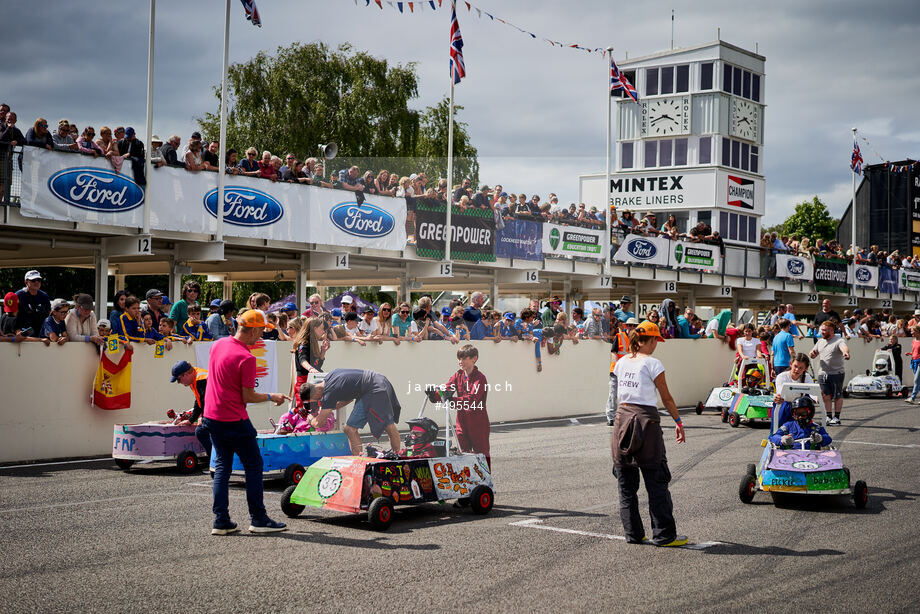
column 222, row 149
column 147, row 162
column 609, row 218
column 853, row 219
column 450, row 156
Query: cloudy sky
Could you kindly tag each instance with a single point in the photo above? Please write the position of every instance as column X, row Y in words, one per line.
column 535, row 112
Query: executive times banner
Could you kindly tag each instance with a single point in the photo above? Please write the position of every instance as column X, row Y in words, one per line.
column 831, row 275
column 559, row 240
column 794, row 267
column 520, row 239
column 472, row 232
column 698, row 256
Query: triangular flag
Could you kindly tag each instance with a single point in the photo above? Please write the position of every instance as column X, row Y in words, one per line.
column 411, row 8
column 468, row 8
column 431, row 2
column 490, row 16
column 378, row 4
column 399, row 6
column 479, row 12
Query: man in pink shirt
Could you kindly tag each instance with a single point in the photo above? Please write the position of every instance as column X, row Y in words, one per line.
column 231, row 385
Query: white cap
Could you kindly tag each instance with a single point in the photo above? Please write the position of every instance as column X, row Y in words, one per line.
column 33, row 274
column 104, row 322
column 413, row 177
column 347, row 300
column 58, row 303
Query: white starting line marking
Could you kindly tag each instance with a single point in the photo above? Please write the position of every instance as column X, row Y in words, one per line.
column 70, row 462
column 887, row 445
column 537, row 523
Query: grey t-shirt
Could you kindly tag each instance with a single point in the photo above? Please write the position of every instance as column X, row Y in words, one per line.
column 830, row 355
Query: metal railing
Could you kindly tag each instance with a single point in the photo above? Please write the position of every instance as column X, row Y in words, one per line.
column 10, row 174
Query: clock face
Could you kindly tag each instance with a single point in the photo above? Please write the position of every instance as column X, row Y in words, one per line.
column 744, row 119
column 666, row 116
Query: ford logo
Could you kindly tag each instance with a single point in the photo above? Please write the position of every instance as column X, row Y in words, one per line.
column 795, row 266
column 367, row 221
column 245, row 206
column 640, row 249
column 863, row 274
column 96, row 189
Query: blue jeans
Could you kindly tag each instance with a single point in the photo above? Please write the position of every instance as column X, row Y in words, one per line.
column 239, row 438
column 915, row 367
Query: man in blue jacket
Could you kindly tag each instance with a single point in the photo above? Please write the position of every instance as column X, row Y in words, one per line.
column 801, row 427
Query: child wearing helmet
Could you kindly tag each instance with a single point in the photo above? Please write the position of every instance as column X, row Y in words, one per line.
column 801, row 426
column 420, row 441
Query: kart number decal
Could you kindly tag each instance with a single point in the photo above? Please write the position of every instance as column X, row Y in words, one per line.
column 805, row 465
column 329, row 484
column 725, row 395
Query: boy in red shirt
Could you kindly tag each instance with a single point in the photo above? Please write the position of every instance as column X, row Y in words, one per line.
column 469, row 388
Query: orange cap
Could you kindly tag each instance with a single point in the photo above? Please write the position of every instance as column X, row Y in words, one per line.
column 649, row 329
column 253, row 318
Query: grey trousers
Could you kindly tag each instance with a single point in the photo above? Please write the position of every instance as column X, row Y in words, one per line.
column 612, row 398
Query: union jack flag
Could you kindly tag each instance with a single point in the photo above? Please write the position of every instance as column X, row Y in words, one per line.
column 457, row 68
column 619, row 82
column 252, row 13
column 856, row 160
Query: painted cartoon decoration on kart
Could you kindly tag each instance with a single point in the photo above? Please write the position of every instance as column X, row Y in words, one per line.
column 880, row 380
column 354, row 484
column 798, row 470
column 157, row 441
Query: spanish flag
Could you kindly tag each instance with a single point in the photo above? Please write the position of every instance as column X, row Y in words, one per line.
column 112, row 385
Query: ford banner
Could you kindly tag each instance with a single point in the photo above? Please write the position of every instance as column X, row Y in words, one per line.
column 794, row 267
column 865, row 275
column 650, row 250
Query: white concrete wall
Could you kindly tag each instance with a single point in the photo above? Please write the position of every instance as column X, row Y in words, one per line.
column 46, row 411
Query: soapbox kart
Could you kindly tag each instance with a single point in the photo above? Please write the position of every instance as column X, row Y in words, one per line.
column 356, row 484
column 157, row 441
column 880, row 380
column 750, row 378
column 799, row 470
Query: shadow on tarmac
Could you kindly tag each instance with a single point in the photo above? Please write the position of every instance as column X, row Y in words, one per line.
column 320, row 537
column 730, row 548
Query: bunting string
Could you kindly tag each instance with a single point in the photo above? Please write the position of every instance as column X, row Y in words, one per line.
column 894, row 168
column 433, row 5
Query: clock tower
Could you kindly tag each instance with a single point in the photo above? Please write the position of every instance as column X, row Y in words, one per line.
column 692, row 146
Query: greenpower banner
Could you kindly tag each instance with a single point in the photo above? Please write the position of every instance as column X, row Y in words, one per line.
column 910, row 280
column 472, row 232
column 699, row 256
column 561, row 240
column 831, row 275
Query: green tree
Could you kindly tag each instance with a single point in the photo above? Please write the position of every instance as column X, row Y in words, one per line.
column 811, row 219
column 305, row 95
column 432, row 145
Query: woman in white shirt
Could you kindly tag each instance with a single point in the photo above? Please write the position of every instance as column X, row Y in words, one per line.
column 748, row 347
column 638, row 445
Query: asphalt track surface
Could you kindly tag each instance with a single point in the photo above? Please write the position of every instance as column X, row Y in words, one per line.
column 87, row 537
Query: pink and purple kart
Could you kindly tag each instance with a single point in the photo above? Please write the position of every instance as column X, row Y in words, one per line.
column 799, row 470
column 157, row 441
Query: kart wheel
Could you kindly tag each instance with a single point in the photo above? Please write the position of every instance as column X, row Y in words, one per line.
column 888, row 392
column 699, row 408
column 904, row 391
column 123, row 463
column 187, row 462
column 751, row 469
column 380, row 513
column 293, row 474
column 724, row 415
column 463, row 502
column 748, row 488
column 291, row 510
column 481, row 500
column 860, row 494
column 734, row 419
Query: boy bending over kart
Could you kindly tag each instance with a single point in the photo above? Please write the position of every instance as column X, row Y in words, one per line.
column 375, row 400
column 468, row 387
column 801, row 427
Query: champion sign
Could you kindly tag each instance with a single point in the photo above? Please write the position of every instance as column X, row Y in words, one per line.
column 96, row 189
column 795, row 267
column 740, row 192
column 367, row 221
column 245, row 206
column 640, row 249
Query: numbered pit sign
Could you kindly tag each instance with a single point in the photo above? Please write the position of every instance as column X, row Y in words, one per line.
column 532, row 277
column 725, row 291
column 886, row 303
column 851, row 301
column 445, row 269
column 144, row 245
column 811, row 298
column 670, row 286
column 341, row 261
column 606, row 281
